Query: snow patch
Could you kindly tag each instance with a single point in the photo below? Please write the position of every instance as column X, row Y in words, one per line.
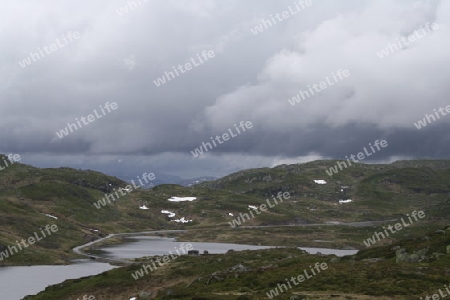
column 253, row 207
column 181, row 199
column 320, row 181
column 230, row 214
column 171, row 214
column 143, row 207
column 182, row 220
column 345, row 201
column 50, row 216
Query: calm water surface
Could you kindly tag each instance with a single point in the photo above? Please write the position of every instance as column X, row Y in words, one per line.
column 140, row 246
column 18, row 282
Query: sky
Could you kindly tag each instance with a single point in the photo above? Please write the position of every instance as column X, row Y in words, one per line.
column 231, row 71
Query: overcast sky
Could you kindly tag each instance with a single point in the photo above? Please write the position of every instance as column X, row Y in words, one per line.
column 117, row 58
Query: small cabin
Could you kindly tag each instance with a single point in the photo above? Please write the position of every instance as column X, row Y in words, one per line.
column 193, row 252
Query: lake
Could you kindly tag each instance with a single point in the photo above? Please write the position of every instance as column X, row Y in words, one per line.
column 17, row 282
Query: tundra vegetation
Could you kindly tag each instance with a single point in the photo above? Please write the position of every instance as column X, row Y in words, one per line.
column 32, row 197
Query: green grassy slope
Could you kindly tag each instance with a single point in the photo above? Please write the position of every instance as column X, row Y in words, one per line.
column 380, row 192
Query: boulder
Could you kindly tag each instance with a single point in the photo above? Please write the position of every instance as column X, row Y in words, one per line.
column 144, row 295
column 413, row 258
column 402, row 256
column 238, row 268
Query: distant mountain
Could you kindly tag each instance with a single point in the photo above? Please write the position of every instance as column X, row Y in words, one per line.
column 194, row 181
column 162, row 178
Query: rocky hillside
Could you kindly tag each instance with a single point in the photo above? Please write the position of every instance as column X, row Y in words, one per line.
column 31, row 198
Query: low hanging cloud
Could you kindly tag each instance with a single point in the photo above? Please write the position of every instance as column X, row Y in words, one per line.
column 389, row 93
